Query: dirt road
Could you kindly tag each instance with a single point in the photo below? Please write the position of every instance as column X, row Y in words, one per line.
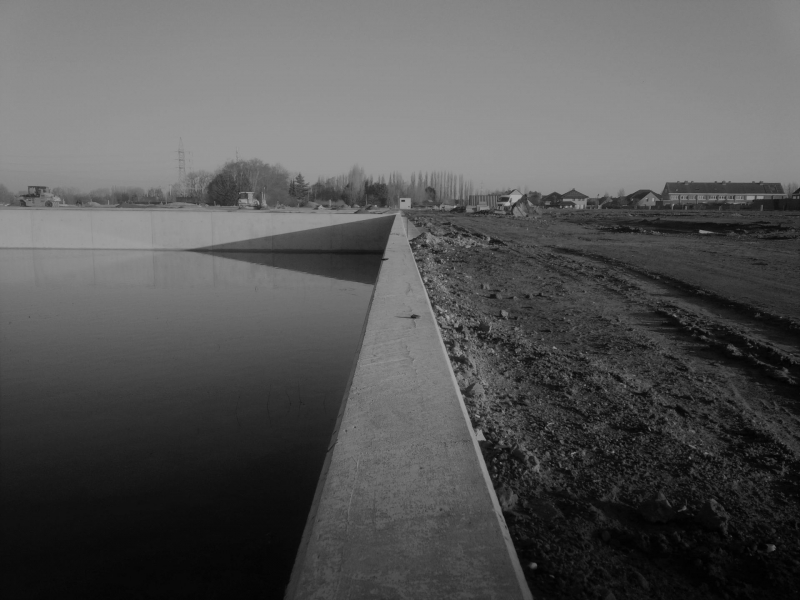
column 636, row 383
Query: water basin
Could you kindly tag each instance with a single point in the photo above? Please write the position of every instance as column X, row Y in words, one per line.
column 164, row 416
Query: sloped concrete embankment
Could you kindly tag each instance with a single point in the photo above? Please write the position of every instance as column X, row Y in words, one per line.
column 404, row 507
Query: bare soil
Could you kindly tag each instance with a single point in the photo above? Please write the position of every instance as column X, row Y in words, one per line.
column 636, row 383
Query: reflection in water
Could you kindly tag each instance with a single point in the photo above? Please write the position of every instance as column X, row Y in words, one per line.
column 164, row 416
column 178, row 269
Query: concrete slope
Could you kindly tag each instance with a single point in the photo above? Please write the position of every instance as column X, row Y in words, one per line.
column 404, row 507
column 360, row 268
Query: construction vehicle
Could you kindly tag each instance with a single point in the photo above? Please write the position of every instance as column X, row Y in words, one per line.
column 248, row 200
column 39, row 195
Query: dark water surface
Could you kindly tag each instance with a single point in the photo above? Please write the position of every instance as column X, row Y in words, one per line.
column 164, row 416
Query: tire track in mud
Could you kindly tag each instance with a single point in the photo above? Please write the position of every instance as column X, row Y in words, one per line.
column 680, row 315
column 778, row 329
column 738, row 331
column 697, row 321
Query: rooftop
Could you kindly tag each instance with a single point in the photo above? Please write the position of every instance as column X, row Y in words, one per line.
column 574, row 194
column 722, row 187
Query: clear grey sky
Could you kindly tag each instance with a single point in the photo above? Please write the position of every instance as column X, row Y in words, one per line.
column 552, row 94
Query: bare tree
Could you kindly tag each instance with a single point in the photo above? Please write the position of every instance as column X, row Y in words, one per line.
column 6, row 197
column 197, row 182
column 355, row 184
column 67, row 194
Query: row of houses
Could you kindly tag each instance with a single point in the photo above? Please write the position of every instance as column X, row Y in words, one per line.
column 682, row 194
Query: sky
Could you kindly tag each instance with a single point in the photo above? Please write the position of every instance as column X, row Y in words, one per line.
column 546, row 95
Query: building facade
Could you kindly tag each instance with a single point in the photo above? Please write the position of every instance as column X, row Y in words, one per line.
column 719, row 192
column 642, row 199
column 574, row 199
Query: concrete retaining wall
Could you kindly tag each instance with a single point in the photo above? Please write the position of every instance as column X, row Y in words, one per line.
column 405, row 507
column 142, row 229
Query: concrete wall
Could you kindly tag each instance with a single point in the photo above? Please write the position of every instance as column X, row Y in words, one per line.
column 405, row 507
column 159, row 229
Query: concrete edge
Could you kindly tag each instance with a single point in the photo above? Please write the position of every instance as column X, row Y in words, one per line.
column 498, row 511
column 312, row 513
column 308, row 558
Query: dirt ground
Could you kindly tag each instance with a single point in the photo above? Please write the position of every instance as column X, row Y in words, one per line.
column 636, row 384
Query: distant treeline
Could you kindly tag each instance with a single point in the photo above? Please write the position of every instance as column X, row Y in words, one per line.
column 355, row 187
column 278, row 186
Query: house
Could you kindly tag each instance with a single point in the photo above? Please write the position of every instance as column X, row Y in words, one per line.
column 719, row 192
column 642, row 199
column 405, row 203
column 553, row 200
column 508, row 199
column 796, row 194
column 574, row 199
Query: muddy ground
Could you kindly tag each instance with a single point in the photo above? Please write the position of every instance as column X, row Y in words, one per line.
column 636, row 383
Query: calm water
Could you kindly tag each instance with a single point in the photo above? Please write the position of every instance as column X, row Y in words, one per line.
column 164, row 416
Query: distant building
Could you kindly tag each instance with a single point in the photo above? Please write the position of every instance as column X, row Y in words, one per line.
column 796, row 194
column 719, row 192
column 405, row 203
column 553, row 200
column 642, row 199
column 574, row 199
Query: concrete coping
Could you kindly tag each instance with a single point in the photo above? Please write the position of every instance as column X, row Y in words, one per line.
column 404, row 507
